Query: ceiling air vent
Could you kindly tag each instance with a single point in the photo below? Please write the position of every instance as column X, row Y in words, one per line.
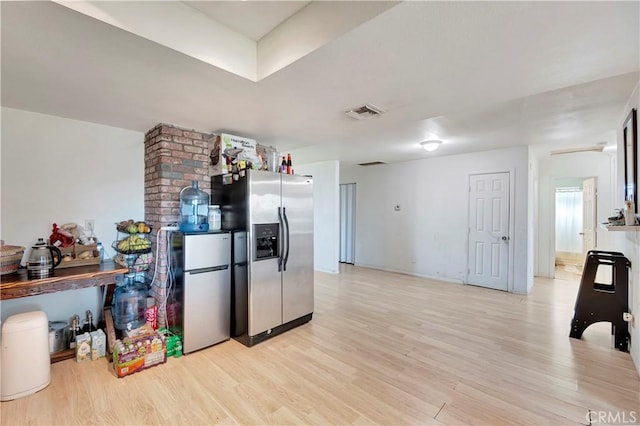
column 372, row 163
column 365, row 111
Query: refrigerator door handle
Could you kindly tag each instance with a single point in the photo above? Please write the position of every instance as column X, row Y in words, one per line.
column 281, row 245
column 205, row 270
column 286, row 222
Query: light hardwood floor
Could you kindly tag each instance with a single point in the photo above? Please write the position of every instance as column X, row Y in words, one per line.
column 568, row 272
column 382, row 348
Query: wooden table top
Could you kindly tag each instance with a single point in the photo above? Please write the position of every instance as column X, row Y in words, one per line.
column 16, row 285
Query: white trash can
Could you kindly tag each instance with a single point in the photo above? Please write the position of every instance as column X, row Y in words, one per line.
column 26, row 367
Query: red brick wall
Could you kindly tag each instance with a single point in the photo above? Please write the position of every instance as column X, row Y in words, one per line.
column 174, row 157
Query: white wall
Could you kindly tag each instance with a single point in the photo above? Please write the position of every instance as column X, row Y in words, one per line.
column 60, row 170
column 534, row 214
column 582, row 165
column 428, row 236
column 326, row 213
column 630, row 243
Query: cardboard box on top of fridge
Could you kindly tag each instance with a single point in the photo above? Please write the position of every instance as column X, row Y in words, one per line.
column 230, row 149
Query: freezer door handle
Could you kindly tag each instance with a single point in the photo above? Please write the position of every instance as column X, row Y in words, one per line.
column 205, row 270
column 281, row 238
column 286, row 222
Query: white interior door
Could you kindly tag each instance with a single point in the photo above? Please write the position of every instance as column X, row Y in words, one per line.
column 347, row 222
column 489, row 230
column 589, row 204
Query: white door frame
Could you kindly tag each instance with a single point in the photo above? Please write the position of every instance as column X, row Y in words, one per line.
column 353, row 227
column 551, row 244
column 512, row 234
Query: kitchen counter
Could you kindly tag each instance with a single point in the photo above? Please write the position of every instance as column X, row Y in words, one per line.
column 18, row 285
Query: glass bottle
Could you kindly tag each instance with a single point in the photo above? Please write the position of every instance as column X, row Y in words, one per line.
column 284, row 165
column 88, row 323
column 100, row 249
column 289, row 170
column 74, row 329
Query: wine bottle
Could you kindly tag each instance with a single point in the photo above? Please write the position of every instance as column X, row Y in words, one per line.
column 289, row 170
column 88, row 323
column 284, row 165
column 73, row 332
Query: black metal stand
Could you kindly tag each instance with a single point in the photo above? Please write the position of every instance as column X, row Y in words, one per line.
column 597, row 302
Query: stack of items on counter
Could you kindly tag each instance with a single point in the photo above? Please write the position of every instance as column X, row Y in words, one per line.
column 232, row 155
column 78, row 246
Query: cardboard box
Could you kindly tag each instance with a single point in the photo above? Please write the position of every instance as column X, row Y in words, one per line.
column 98, row 344
column 83, row 347
column 134, row 354
column 230, row 148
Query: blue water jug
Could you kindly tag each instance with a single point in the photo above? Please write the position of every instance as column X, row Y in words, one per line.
column 129, row 305
column 194, row 209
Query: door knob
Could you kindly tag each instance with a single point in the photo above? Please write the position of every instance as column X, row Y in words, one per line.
column 505, row 238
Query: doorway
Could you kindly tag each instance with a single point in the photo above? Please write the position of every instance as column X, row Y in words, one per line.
column 575, row 203
column 347, row 223
column 489, row 225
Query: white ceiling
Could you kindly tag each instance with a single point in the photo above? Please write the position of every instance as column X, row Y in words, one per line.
column 479, row 75
column 253, row 19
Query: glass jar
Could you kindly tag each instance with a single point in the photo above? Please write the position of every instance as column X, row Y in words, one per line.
column 215, row 218
column 194, row 209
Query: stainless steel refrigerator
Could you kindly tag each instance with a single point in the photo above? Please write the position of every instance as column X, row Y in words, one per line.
column 200, row 264
column 271, row 219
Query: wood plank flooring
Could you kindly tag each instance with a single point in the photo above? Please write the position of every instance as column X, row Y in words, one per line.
column 382, row 348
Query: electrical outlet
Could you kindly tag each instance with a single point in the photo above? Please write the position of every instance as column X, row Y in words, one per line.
column 89, row 225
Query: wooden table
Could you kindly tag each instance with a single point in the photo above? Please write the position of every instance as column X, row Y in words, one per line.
column 18, row 285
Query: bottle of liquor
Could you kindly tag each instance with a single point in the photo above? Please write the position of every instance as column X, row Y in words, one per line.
column 74, row 329
column 284, row 165
column 289, row 170
column 88, row 323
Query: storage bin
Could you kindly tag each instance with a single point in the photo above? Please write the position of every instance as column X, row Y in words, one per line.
column 26, row 367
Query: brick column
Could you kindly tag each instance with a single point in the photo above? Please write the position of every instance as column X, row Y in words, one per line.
column 173, row 158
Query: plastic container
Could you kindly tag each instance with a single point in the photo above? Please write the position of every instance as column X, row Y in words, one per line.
column 24, row 355
column 100, row 249
column 194, row 209
column 215, row 218
column 129, row 306
column 56, row 336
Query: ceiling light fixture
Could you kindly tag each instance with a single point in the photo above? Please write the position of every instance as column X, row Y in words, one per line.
column 430, row 146
column 594, row 148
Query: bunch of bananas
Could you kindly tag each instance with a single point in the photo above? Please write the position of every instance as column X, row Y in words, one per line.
column 133, row 243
